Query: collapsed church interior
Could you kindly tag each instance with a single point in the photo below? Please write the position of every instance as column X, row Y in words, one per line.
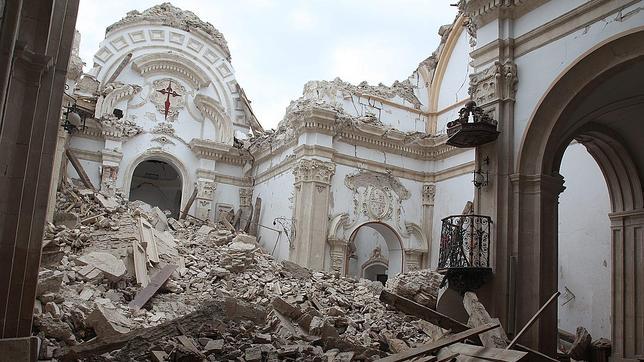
column 488, row 205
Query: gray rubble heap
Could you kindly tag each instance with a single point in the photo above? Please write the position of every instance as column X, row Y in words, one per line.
column 85, row 292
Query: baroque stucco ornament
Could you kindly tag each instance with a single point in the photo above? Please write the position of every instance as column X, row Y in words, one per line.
column 429, row 193
column 308, row 170
column 168, row 96
column 377, row 195
column 497, row 82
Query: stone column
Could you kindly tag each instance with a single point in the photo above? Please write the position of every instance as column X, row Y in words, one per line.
column 338, row 255
column 627, row 235
column 429, row 193
column 246, row 207
column 110, row 170
column 536, row 271
column 59, row 156
column 312, row 191
column 413, row 260
column 29, row 125
column 203, row 203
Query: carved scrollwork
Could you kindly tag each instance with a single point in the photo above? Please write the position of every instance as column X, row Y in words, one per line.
column 429, row 193
column 497, row 82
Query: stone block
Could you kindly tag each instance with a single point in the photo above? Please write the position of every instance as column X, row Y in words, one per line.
column 49, row 281
column 113, row 268
column 108, row 322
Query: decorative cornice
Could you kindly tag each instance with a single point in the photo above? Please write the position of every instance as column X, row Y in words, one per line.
column 313, row 170
column 483, row 11
column 171, row 63
column 218, row 151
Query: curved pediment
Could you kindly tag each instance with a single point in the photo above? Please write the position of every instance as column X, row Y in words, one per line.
column 214, row 111
column 170, row 63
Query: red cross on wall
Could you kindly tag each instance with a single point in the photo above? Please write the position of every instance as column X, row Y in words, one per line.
column 168, row 92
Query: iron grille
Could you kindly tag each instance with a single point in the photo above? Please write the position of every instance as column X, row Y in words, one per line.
column 465, row 242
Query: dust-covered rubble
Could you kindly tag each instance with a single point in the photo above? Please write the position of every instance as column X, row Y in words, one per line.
column 83, row 295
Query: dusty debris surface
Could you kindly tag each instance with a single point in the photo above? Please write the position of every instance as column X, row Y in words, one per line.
column 104, row 258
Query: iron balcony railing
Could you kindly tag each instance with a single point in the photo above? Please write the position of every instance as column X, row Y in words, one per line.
column 465, row 242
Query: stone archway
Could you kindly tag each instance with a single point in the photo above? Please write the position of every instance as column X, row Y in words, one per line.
column 157, row 183
column 374, row 245
column 597, row 101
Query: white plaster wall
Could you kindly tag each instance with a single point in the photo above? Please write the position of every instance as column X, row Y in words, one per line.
column 92, row 169
column 456, row 79
column 543, row 14
column 451, row 196
column 277, row 201
column 538, row 69
column 584, row 245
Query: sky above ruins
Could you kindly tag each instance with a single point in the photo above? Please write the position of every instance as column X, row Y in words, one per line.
column 278, row 45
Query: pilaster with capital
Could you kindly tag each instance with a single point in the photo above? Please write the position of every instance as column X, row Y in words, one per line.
column 312, row 193
column 203, row 203
column 109, row 170
column 338, row 255
column 429, row 194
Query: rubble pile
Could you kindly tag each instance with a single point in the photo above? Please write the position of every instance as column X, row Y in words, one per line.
column 420, row 286
column 95, row 285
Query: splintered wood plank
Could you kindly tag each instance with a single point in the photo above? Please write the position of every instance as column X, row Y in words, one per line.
column 140, row 263
column 487, row 353
column 156, row 282
column 435, row 346
column 479, row 316
column 191, row 200
column 410, row 307
column 79, row 169
column 148, row 240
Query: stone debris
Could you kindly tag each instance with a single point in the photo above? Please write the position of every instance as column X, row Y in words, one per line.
column 310, row 315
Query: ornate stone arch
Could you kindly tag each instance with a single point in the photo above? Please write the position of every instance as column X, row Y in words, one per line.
column 159, row 155
column 537, row 185
column 171, row 63
column 213, row 110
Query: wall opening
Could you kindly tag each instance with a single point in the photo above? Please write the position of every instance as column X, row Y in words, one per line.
column 159, row 184
column 374, row 252
column 584, row 246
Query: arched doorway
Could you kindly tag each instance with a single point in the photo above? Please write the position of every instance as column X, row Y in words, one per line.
column 157, row 183
column 375, row 252
column 599, row 102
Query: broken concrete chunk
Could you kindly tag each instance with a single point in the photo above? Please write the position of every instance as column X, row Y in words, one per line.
column 214, row 346
column 110, row 204
column 113, row 268
column 53, row 309
column 86, row 294
column 69, row 219
column 158, row 219
column 205, row 230
column 49, row 281
column 244, row 238
column 253, row 354
column 108, row 322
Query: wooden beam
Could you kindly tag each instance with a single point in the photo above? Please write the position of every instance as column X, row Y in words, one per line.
column 410, row 307
column 533, row 319
column 435, row 346
column 143, row 295
column 79, row 169
column 487, row 353
column 191, row 200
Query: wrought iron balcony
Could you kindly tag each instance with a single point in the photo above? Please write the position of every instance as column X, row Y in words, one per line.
column 465, row 250
column 472, row 128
